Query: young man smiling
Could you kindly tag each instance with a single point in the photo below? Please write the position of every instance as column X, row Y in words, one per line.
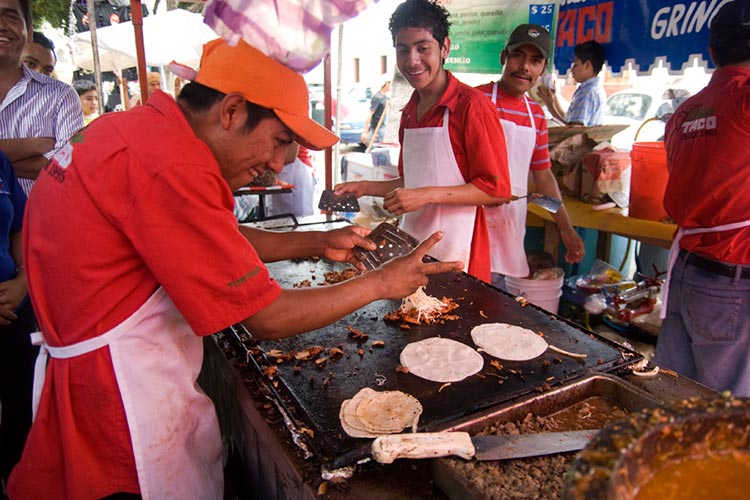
column 524, row 60
column 453, row 160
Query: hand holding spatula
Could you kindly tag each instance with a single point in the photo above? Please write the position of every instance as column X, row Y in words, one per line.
column 550, row 204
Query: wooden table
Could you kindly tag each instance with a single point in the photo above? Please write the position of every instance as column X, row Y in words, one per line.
column 609, row 221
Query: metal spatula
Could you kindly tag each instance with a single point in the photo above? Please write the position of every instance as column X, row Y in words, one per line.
column 550, row 204
column 346, row 202
column 392, row 242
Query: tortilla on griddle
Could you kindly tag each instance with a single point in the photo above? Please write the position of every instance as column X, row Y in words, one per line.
column 389, row 411
column 508, row 342
column 371, row 413
column 441, row 360
column 351, row 424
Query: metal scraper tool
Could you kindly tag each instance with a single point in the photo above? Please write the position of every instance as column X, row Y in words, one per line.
column 392, row 242
column 345, row 202
column 550, row 204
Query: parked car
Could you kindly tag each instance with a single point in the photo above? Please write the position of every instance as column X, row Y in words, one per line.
column 355, row 106
column 646, row 110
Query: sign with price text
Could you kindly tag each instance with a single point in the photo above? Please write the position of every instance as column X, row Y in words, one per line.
column 480, row 29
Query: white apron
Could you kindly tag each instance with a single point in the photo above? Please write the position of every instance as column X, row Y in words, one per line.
column 674, row 251
column 507, row 223
column 429, row 161
column 173, row 425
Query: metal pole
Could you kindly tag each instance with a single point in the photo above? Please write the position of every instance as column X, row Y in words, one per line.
column 136, row 15
column 327, row 121
column 339, row 75
column 91, row 9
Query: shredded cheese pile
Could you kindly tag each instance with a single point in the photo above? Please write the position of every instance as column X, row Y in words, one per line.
column 425, row 306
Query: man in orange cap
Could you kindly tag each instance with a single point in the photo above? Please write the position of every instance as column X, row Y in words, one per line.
column 124, row 298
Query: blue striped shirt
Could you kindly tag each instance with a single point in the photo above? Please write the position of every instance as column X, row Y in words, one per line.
column 587, row 105
column 40, row 106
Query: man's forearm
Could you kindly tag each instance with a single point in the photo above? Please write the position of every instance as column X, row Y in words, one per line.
column 22, row 149
column 30, row 167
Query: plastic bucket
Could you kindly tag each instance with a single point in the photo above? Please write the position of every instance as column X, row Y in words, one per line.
column 543, row 293
column 648, row 180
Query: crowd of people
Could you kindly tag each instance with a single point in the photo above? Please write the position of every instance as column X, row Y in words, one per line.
column 122, row 302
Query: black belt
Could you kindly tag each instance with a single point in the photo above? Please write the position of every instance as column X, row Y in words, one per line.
column 714, row 266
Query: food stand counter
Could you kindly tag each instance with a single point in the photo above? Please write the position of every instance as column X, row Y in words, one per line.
column 610, row 221
column 283, row 419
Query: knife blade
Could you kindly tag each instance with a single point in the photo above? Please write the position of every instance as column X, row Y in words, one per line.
column 385, row 449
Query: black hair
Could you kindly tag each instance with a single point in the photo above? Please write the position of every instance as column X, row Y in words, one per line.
column 83, row 86
column 591, row 51
column 424, row 14
column 38, row 37
column 200, row 98
column 724, row 56
column 26, row 11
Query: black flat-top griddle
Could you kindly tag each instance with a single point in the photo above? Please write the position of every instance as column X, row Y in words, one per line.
column 317, row 405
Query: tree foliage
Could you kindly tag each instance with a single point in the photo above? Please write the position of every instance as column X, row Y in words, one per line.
column 55, row 12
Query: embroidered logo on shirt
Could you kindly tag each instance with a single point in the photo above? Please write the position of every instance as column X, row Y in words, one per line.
column 244, row 279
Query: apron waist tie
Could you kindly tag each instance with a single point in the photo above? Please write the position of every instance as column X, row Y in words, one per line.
column 674, row 251
column 65, row 352
column 80, row 348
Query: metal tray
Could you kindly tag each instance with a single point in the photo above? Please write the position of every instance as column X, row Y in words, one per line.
column 615, row 390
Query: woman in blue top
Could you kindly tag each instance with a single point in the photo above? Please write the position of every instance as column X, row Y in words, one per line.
column 16, row 323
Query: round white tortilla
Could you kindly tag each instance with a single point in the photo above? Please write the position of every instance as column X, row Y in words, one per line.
column 508, row 342
column 441, row 360
column 384, row 412
column 388, row 411
column 351, row 424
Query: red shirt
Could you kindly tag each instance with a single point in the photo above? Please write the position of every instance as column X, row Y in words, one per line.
column 708, row 155
column 141, row 204
column 479, row 147
column 514, row 110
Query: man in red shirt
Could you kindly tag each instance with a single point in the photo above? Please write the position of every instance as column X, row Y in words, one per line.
column 133, row 253
column 524, row 60
column 706, row 332
column 453, row 160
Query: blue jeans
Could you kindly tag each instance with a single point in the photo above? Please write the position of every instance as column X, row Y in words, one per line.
column 706, row 333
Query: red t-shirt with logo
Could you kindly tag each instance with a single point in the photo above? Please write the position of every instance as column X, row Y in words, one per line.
column 134, row 202
column 708, row 154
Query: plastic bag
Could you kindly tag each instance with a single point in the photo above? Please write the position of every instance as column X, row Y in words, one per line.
column 296, row 33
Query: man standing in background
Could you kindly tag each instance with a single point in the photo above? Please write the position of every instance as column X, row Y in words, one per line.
column 706, row 330
column 589, row 99
column 39, row 55
column 38, row 114
column 374, row 129
column 523, row 60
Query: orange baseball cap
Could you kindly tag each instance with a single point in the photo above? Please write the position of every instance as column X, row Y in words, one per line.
column 265, row 82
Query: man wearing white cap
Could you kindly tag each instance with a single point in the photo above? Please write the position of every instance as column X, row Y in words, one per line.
column 149, row 258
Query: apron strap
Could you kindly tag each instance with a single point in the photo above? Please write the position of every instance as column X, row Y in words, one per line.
column 80, row 348
column 674, row 251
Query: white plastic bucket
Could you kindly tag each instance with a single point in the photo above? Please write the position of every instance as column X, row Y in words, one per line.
column 543, row 293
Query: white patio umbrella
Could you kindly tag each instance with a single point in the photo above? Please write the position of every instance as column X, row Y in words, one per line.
column 175, row 35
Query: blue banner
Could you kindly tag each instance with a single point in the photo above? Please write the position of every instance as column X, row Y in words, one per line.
column 638, row 30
